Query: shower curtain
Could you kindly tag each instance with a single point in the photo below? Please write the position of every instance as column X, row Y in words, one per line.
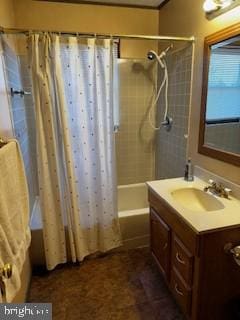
column 73, row 91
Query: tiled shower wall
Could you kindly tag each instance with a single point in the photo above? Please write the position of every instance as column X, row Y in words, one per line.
column 172, row 145
column 18, row 77
column 135, row 145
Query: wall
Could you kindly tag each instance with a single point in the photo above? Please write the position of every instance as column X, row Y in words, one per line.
column 190, row 20
column 6, row 130
column 135, row 143
column 86, row 18
column 17, row 76
column 172, row 145
column 6, row 13
column 6, row 126
column 6, row 20
column 18, row 111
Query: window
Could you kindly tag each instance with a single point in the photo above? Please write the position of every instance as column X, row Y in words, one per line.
column 223, row 100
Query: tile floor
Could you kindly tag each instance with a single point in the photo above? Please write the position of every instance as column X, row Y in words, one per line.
column 117, row 286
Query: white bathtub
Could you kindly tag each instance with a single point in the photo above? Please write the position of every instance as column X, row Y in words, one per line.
column 133, row 214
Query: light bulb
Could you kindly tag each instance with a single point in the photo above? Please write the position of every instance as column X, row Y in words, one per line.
column 210, row 6
column 226, row 3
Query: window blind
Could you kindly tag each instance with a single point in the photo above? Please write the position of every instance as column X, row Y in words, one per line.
column 224, row 69
column 223, row 100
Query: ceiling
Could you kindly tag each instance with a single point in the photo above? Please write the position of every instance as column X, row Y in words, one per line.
column 151, row 4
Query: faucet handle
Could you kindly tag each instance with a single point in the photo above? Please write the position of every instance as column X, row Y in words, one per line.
column 211, row 182
column 227, row 192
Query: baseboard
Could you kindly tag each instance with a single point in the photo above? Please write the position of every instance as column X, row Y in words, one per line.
column 134, row 243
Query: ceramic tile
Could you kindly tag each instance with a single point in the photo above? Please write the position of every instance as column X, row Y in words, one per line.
column 114, row 286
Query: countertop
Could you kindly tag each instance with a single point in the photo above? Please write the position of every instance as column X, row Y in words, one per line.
column 200, row 221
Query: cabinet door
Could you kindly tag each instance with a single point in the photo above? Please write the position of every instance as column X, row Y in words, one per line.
column 181, row 292
column 182, row 260
column 160, row 242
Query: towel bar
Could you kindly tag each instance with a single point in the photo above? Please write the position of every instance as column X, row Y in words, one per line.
column 21, row 93
column 6, row 271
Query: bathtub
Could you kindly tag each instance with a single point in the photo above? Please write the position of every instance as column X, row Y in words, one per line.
column 133, row 216
column 133, row 212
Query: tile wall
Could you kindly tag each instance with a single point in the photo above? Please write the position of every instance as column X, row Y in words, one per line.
column 172, row 146
column 18, row 77
column 135, row 143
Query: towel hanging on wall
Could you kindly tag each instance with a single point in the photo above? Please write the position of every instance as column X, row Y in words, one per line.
column 14, row 218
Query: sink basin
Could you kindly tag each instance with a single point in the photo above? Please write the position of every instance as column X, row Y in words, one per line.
column 196, row 200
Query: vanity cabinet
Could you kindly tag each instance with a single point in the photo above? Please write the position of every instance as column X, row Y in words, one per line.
column 181, row 273
column 203, row 278
column 160, row 242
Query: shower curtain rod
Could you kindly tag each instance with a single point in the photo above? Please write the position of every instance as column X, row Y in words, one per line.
column 100, row 35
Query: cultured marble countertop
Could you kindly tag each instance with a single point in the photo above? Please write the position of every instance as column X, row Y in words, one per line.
column 200, row 221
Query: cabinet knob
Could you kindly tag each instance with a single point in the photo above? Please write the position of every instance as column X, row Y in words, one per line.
column 235, row 251
column 236, row 254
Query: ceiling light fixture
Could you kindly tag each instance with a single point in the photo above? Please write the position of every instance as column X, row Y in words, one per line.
column 210, row 6
column 214, row 5
column 213, row 8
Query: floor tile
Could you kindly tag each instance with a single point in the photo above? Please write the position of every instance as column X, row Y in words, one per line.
column 119, row 285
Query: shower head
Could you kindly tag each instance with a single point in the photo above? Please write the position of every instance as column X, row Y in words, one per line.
column 151, row 55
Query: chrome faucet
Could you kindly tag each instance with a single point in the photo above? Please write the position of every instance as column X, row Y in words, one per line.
column 218, row 189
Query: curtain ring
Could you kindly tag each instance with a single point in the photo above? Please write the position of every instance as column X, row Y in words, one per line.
column 111, row 39
column 29, row 33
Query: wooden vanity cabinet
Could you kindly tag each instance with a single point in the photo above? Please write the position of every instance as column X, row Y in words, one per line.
column 160, row 242
column 203, row 278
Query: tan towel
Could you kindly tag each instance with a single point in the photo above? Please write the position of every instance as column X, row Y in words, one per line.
column 15, row 233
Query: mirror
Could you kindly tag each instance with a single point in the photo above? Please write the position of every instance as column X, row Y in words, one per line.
column 219, row 135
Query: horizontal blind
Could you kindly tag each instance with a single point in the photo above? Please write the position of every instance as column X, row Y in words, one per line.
column 224, row 70
column 223, row 100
